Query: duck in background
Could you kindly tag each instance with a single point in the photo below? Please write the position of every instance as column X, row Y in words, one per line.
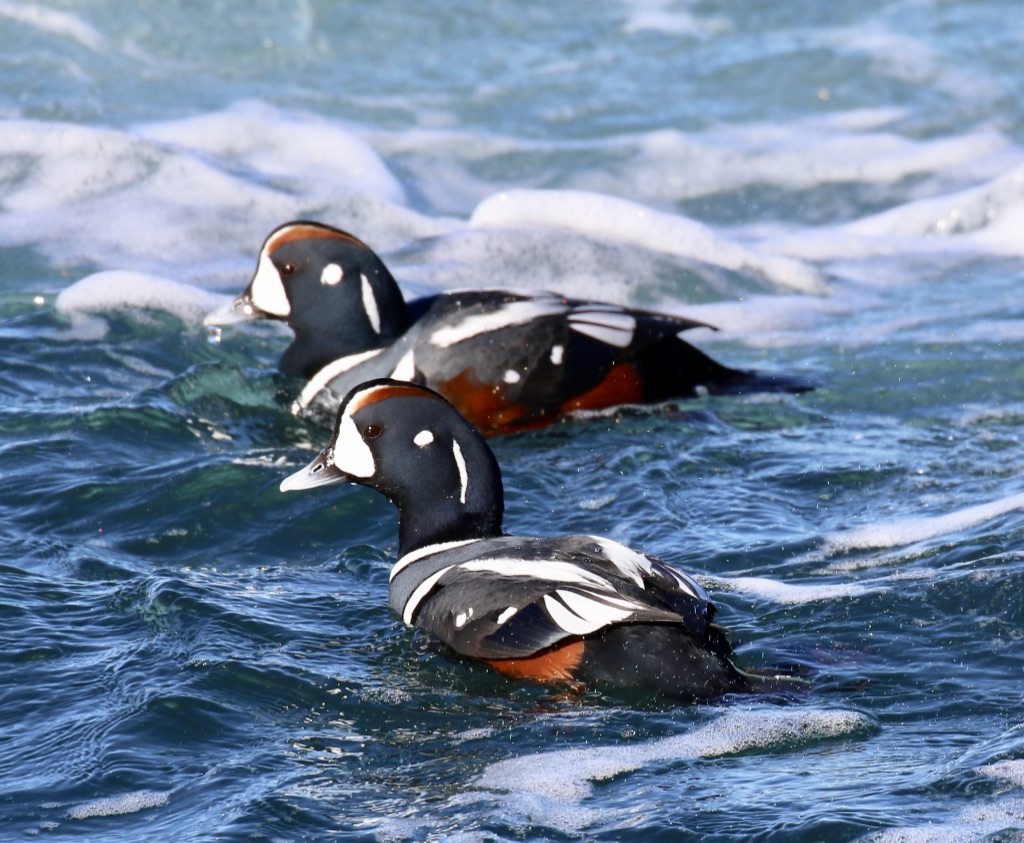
column 507, row 361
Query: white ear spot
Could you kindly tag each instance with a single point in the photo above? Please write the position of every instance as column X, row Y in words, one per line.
column 331, row 275
column 370, row 303
column 512, row 376
column 423, row 438
column 557, row 351
column 267, row 290
column 460, row 463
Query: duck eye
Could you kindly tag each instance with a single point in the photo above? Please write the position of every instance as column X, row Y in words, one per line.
column 287, row 269
column 372, row 431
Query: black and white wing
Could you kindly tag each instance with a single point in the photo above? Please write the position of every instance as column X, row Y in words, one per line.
column 527, row 597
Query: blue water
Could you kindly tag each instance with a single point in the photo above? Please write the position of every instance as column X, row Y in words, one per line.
column 187, row 654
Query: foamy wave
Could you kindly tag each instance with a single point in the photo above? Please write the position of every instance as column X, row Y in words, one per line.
column 610, row 219
column 771, row 321
column 289, row 145
column 178, row 199
column 788, row 593
column 567, row 775
column 1011, row 771
column 986, row 219
column 905, row 531
column 126, row 803
column 856, row 147
column 977, row 822
column 53, row 22
column 114, row 290
column 665, row 16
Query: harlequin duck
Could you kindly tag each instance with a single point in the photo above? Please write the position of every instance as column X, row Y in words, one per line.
column 565, row 609
column 507, row 361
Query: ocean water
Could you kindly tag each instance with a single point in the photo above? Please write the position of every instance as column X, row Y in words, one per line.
column 186, row 654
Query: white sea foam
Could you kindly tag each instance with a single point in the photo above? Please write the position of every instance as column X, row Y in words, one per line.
column 857, row 147
column 1011, row 770
column 770, row 321
column 982, row 219
column 126, row 803
column 163, row 199
column 115, row 290
column 975, row 822
column 904, row 531
column 552, row 260
column 290, row 145
column 610, row 219
column 53, row 22
column 776, row 591
column 567, row 775
column 665, row 16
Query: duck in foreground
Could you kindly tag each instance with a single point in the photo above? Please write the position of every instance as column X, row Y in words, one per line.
column 507, row 361
column 563, row 609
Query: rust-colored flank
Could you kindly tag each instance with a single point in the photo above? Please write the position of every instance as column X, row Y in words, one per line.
column 558, row 664
column 621, row 386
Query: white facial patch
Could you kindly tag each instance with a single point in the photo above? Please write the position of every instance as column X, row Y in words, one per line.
column 267, row 289
column 351, row 453
column 370, row 303
column 460, row 463
column 557, row 353
column 332, row 275
column 423, row 438
column 512, row 376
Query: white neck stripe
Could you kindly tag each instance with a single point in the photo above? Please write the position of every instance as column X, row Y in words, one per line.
column 460, row 462
column 370, row 303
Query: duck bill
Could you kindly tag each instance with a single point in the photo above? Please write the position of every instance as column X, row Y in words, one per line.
column 321, row 472
column 241, row 309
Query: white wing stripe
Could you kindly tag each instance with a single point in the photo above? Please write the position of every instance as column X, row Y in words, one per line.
column 630, row 563
column 329, row 372
column 687, row 585
column 578, row 614
column 405, row 370
column 609, row 318
column 603, row 333
column 565, row 572
column 421, row 591
column 513, row 313
column 611, row 609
